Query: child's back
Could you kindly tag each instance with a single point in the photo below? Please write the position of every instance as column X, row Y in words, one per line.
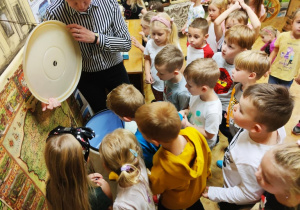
column 180, row 177
column 124, row 100
column 121, row 155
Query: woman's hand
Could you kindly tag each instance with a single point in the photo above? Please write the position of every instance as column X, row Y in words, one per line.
column 81, row 33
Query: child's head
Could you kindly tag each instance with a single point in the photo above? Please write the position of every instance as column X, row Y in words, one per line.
column 264, row 107
column 215, row 8
column 198, row 32
column 168, row 62
column 296, row 24
column 268, row 34
column 163, row 30
column 201, row 74
column 121, row 153
column 237, row 17
column 124, row 100
column 250, row 65
column 279, row 173
column 68, row 183
column 158, row 122
column 145, row 22
column 155, row 6
column 237, row 39
column 135, row 3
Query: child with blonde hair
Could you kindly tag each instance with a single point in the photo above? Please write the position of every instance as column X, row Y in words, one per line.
column 133, row 8
column 263, row 127
column 205, row 108
column 237, row 39
column 215, row 8
column 124, row 100
column 195, row 11
column 250, row 66
column 286, row 65
column 68, row 185
column 168, row 63
column 181, row 166
column 163, row 31
column 282, row 185
column 234, row 16
column 268, row 35
column 122, row 156
column 145, row 33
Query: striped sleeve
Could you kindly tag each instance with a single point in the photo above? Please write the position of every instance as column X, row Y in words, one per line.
column 121, row 40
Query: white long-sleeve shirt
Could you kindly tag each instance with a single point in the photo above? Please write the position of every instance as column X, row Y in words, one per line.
column 241, row 161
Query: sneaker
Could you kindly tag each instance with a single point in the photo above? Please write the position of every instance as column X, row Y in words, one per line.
column 296, row 129
column 220, row 163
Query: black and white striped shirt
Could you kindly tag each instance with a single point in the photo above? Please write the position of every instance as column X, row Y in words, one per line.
column 102, row 17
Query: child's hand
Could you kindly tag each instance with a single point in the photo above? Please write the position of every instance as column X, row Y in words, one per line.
column 149, row 79
column 53, row 103
column 135, row 42
column 208, row 18
column 95, row 176
column 242, row 3
column 142, row 34
column 184, row 121
column 205, row 193
column 183, row 30
column 236, row 6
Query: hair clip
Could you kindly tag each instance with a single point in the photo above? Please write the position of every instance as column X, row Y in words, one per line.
column 172, row 20
column 135, row 154
column 298, row 142
column 113, row 176
column 126, row 168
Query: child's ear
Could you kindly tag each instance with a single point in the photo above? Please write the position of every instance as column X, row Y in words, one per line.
column 204, row 88
column 206, row 36
column 257, row 128
column 156, row 143
column 176, row 72
column 252, row 75
column 127, row 119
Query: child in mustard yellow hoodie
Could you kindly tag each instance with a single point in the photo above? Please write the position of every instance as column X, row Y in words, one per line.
column 181, row 166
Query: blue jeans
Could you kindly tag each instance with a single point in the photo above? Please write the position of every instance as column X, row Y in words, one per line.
column 275, row 80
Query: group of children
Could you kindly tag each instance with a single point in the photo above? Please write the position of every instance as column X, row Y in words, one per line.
column 175, row 135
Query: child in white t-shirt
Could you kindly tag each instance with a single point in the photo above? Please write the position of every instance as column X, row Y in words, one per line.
column 205, row 108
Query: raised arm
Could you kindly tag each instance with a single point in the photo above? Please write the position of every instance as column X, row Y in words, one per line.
column 252, row 16
column 219, row 20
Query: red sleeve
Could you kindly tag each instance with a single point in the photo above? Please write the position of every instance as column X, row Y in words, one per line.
column 208, row 52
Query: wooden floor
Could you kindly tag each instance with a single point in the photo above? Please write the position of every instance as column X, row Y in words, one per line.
column 218, row 151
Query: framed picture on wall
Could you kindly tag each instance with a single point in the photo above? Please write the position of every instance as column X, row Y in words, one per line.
column 19, row 14
column 5, row 24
